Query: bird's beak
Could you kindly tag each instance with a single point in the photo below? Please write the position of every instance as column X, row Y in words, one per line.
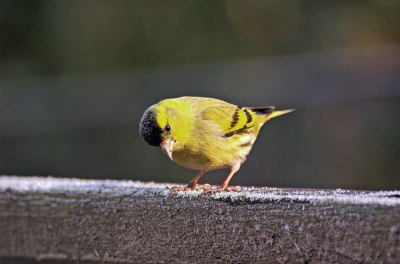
column 167, row 146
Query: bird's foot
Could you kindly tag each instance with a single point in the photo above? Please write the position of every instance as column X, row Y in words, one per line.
column 219, row 189
column 189, row 188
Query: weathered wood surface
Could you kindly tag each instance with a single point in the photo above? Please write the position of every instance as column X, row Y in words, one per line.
column 124, row 221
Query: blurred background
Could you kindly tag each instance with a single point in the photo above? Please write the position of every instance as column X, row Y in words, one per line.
column 76, row 77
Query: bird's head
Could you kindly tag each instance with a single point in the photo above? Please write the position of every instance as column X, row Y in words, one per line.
column 164, row 125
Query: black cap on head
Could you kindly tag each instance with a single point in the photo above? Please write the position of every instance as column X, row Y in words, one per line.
column 150, row 130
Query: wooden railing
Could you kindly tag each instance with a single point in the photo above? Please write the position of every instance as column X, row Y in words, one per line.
column 125, row 221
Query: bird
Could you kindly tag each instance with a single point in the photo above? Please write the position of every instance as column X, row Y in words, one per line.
column 204, row 134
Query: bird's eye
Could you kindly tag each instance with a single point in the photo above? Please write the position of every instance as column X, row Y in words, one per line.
column 167, row 128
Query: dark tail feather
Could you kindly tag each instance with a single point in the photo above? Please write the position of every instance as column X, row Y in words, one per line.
column 266, row 110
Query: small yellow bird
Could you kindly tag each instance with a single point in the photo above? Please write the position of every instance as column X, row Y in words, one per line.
column 204, row 134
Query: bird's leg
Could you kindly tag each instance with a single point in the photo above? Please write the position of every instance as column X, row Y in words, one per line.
column 192, row 184
column 224, row 186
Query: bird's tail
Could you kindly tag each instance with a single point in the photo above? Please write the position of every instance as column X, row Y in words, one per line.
column 278, row 113
column 269, row 112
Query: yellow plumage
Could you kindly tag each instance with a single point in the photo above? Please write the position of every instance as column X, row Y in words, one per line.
column 204, row 133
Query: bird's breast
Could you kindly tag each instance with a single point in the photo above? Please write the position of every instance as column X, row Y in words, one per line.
column 223, row 153
column 196, row 160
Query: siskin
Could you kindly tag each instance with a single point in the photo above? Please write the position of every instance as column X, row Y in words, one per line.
column 204, row 134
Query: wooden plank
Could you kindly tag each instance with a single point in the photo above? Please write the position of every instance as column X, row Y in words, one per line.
column 125, row 221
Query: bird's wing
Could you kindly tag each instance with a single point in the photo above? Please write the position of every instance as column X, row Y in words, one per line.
column 231, row 119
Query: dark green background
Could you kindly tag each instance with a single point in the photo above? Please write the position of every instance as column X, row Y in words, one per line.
column 76, row 77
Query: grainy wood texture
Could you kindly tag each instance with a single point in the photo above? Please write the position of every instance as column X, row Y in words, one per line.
column 124, row 221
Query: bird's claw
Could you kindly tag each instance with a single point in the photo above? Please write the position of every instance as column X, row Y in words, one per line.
column 217, row 190
column 189, row 188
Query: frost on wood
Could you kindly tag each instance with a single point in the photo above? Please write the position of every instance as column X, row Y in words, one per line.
column 125, row 221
